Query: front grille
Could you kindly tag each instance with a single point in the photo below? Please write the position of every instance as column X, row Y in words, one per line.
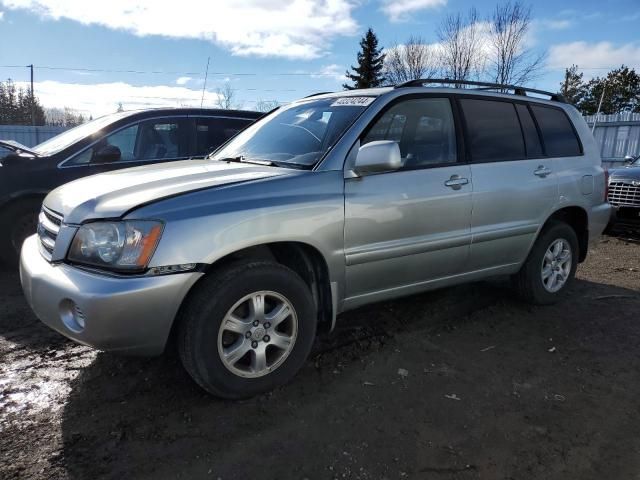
column 624, row 193
column 48, row 227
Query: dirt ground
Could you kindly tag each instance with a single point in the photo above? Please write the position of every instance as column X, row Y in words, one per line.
column 461, row 383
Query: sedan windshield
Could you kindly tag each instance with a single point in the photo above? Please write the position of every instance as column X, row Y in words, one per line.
column 298, row 135
column 68, row 138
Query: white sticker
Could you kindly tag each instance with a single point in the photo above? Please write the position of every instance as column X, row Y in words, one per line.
column 353, row 101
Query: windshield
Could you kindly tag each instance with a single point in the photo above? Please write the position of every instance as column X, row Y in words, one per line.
column 297, row 135
column 68, row 138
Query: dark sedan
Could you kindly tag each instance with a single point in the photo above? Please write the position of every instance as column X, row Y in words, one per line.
column 624, row 194
column 120, row 140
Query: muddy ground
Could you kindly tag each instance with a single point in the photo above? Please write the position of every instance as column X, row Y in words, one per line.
column 461, row 383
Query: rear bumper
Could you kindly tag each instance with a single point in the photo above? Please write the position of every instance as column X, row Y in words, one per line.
column 127, row 315
column 599, row 218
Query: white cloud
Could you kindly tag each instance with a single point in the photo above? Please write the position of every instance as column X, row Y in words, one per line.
column 333, row 71
column 183, row 80
column 1, row 15
column 556, row 24
column 103, row 98
column 300, row 29
column 400, row 10
column 594, row 56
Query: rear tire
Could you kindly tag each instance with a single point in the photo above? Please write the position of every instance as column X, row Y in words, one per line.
column 20, row 221
column 550, row 267
column 225, row 339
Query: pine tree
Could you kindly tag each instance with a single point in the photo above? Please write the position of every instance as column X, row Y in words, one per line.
column 369, row 72
column 621, row 92
column 573, row 87
column 17, row 105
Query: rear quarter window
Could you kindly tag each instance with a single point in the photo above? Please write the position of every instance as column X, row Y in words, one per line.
column 558, row 135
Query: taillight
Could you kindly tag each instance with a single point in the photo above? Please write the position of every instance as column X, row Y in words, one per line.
column 606, row 184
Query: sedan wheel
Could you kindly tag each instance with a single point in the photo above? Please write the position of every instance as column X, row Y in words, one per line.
column 556, row 265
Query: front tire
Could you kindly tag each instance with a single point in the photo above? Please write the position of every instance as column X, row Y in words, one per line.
column 247, row 329
column 550, row 267
column 19, row 221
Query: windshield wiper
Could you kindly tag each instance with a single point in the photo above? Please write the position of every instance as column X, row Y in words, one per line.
column 237, row 159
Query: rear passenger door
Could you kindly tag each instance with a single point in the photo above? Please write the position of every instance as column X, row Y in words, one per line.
column 515, row 187
column 407, row 227
column 211, row 132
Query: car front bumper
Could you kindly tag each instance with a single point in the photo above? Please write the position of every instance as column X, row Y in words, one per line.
column 129, row 315
column 626, row 216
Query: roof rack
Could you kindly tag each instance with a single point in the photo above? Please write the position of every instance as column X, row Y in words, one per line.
column 517, row 90
column 316, row 94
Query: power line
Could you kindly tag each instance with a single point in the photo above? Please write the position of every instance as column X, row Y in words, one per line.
column 167, row 72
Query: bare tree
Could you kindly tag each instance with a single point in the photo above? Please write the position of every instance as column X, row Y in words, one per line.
column 266, row 105
column 410, row 61
column 509, row 59
column 227, row 98
column 460, row 46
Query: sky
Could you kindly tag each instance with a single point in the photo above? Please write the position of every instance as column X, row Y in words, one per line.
column 91, row 56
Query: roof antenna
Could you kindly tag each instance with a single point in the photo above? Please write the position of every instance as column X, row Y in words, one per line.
column 204, row 87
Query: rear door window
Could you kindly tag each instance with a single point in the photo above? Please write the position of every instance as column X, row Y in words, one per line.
column 213, row 132
column 560, row 140
column 493, row 130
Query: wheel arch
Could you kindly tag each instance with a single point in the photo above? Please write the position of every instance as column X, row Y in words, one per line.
column 303, row 258
column 578, row 219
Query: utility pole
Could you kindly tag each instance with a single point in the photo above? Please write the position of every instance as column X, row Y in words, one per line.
column 204, row 87
column 33, row 99
column 595, row 120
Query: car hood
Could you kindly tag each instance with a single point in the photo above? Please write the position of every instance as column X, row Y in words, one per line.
column 111, row 195
column 627, row 173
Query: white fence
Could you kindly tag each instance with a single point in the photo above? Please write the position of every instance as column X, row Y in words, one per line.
column 27, row 135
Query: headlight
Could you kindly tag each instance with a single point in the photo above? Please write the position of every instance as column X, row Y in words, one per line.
column 126, row 245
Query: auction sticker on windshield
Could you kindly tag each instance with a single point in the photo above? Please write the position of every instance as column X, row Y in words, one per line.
column 353, row 101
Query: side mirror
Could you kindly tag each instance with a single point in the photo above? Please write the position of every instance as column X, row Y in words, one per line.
column 107, row 154
column 379, row 156
column 628, row 160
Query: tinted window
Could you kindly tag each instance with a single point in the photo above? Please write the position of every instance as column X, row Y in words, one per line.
column 213, row 132
column 161, row 139
column 423, row 128
column 557, row 133
column 493, row 130
column 530, row 132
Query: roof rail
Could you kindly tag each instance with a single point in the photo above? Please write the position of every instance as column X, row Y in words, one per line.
column 517, row 90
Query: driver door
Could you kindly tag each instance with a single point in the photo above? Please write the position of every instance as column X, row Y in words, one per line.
column 406, row 228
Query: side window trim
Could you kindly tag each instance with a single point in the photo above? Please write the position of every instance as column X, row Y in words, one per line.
column 461, row 157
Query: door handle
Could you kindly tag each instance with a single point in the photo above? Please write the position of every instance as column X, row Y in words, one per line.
column 456, row 182
column 542, row 171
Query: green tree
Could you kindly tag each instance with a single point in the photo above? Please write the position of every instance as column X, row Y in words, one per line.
column 573, row 87
column 369, row 72
column 621, row 89
column 19, row 106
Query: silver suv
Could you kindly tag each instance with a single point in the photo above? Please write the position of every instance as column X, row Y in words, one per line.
column 329, row 203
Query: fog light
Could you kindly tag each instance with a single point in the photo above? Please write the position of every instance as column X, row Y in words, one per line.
column 72, row 316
